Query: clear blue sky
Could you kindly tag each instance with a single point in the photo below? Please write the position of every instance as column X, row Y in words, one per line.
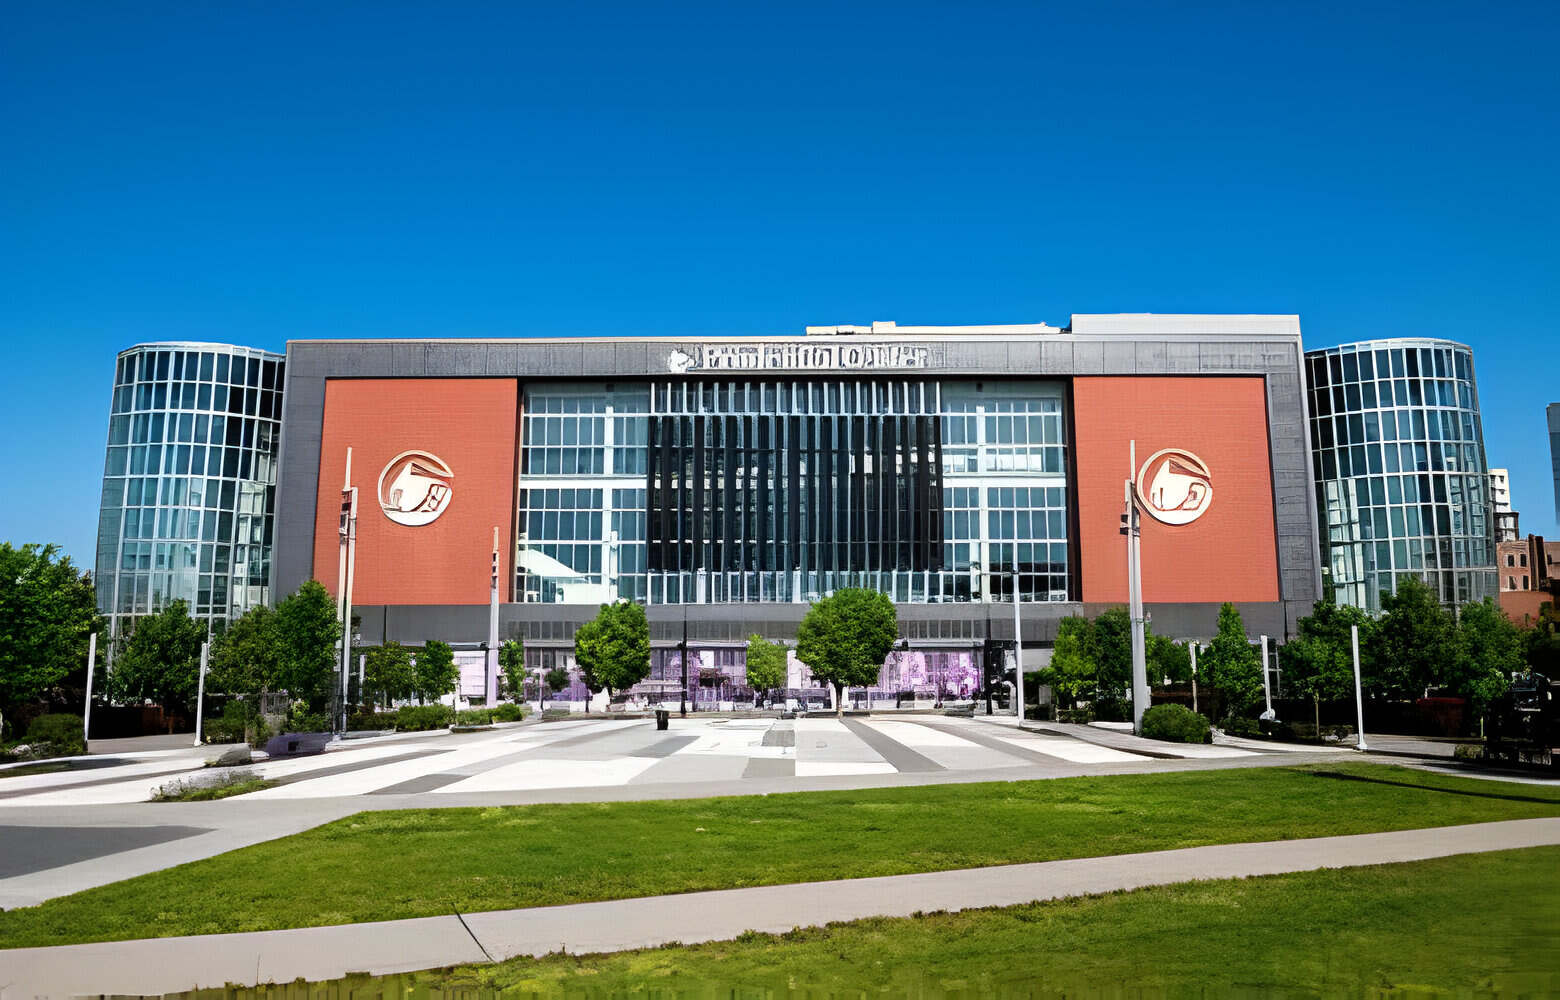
column 253, row 173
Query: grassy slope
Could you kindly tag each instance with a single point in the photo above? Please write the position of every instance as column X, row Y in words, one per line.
column 1490, row 921
column 387, row 865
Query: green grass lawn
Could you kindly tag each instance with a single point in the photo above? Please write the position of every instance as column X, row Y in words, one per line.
column 411, row 863
column 1488, row 922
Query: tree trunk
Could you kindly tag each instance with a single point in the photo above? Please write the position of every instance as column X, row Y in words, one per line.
column 1316, row 706
column 839, row 700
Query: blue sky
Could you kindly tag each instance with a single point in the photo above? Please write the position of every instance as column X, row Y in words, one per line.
column 254, row 173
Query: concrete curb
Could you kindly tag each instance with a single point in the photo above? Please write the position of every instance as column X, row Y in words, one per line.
column 164, row 965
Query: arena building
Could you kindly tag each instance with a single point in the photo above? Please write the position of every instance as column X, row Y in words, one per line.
column 725, row 483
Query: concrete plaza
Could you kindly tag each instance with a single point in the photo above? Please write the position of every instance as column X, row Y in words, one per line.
column 71, row 830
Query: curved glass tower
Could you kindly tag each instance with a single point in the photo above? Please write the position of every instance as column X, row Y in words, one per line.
column 189, row 481
column 1402, row 485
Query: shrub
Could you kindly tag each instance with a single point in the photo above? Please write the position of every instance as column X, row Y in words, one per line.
column 508, row 712
column 202, row 787
column 1175, row 724
column 1082, row 716
column 61, row 731
column 367, row 721
column 301, row 720
column 1240, row 726
column 1468, row 751
column 475, row 717
column 230, row 726
column 415, row 718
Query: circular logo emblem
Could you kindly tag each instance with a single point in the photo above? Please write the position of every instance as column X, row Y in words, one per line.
column 414, row 489
column 1174, row 486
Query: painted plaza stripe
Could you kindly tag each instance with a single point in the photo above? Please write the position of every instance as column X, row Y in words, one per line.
column 896, row 753
column 1075, row 751
column 770, row 767
column 665, row 747
column 953, row 753
column 1017, row 747
column 554, row 773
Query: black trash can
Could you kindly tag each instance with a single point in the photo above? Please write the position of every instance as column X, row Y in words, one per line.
column 662, row 718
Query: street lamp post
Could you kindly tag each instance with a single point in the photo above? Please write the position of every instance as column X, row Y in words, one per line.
column 682, row 661
column 1018, row 645
column 1132, row 527
column 348, row 534
column 200, row 695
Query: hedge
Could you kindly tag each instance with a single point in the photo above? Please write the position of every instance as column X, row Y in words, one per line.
column 1175, row 724
column 61, row 731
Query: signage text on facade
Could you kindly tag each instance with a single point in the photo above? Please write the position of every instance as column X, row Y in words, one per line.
column 800, row 357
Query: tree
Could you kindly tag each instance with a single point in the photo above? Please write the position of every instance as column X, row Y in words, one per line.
column 1415, row 640
column 244, row 656
column 765, row 664
column 388, row 669
column 47, row 611
column 1168, row 659
column 1074, row 671
column 1543, row 641
column 161, row 659
column 307, row 633
column 613, row 650
column 1320, row 658
column 436, row 671
column 845, row 638
column 1490, row 649
column 556, row 679
column 1113, row 657
column 511, row 657
column 1231, row 666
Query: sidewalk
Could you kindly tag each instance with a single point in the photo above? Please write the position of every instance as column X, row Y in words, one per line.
column 164, row 965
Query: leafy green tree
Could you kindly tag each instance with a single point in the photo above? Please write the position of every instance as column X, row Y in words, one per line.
column 845, row 637
column 1231, row 666
column 388, row 670
column 47, row 611
column 556, row 679
column 1168, row 659
column 1490, row 649
column 307, row 632
column 161, row 659
column 1415, row 641
column 1113, row 657
column 436, row 671
column 1542, row 641
column 1074, row 671
column 765, row 664
column 613, row 650
column 1320, row 669
column 244, row 656
column 511, row 658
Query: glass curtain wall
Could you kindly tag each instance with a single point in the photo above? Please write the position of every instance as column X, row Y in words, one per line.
column 1401, row 478
column 189, row 481
column 716, row 492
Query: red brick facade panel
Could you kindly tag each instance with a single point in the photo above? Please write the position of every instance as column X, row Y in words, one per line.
column 468, row 425
column 1229, row 553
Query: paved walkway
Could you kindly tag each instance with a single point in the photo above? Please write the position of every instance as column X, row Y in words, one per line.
column 164, row 965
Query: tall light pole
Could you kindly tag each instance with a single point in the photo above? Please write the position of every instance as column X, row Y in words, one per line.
column 348, row 533
column 490, row 687
column 1194, row 675
column 1359, row 701
column 1018, row 644
column 86, row 714
column 1132, row 527
column 1267, row 691
column 682, row 662
column 200, row 695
